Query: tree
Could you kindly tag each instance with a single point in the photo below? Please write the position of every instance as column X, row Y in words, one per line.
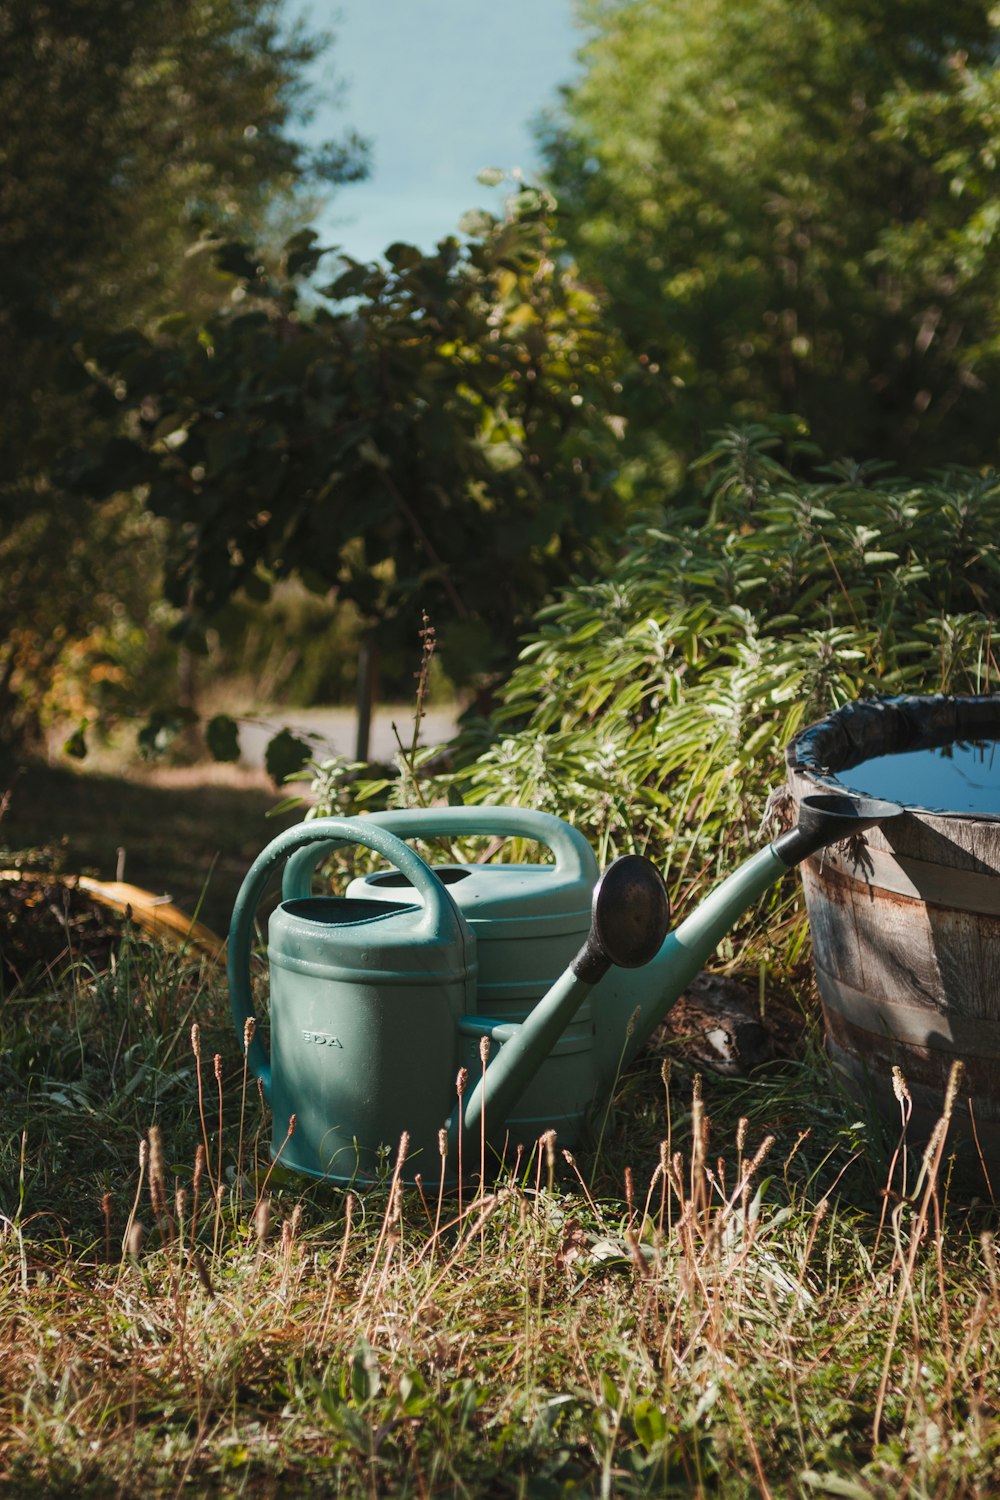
column 794, row 210
column 130, row 131
column 433, row 435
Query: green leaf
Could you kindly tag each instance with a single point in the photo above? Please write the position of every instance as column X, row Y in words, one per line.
column 302, row 254
column 285, row 755
column 350, row 283
column 649, row 1422
column 222, row 737
column 477, row 223
column 402, row 256
column 412, row 1393
column 366, row 1380
column 76, row 745
column 609, row 1390
column 833, row 1484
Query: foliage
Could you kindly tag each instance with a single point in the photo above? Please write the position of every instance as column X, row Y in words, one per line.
column 129, row 131
column 77, row 629
column 429, row 434
column 177, row 1312
column 296, row 647
column 793, row 209
column 652, row 707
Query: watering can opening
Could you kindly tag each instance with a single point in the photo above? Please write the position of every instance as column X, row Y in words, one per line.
column 344, row 911
column 392, row 879
column 826, row 818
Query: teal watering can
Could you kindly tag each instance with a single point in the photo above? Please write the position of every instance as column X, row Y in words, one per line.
column 402, row 977
column 373, row 1005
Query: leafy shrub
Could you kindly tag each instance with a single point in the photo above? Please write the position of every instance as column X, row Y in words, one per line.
column 653, row 707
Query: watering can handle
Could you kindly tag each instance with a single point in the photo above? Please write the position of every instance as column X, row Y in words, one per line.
column 574, row 857
column 439, row 909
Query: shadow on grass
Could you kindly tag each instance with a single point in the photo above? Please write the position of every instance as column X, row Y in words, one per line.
column 194, row 843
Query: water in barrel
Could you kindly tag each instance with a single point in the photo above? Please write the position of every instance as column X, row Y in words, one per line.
column 960, row 777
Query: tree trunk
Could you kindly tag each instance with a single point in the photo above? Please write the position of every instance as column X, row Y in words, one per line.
column 368, row 654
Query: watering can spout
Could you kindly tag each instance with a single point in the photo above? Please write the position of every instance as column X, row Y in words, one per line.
column 628, row 1009
column 827, row 817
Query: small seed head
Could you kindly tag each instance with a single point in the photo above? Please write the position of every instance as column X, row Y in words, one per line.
column 954, row 1084
column 461, row 1080
column 765, row 1146
column 156, row 1172
column 262, row 1219
column 135, row 1238
column 395, row 1204
column 936, row 1137
column 899, row 1086
column 549, row 1142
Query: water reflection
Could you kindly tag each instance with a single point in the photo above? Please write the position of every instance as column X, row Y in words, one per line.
column 960, row 777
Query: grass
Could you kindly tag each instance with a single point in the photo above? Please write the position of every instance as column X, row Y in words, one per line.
column 734, row 1287
column 739, row 1294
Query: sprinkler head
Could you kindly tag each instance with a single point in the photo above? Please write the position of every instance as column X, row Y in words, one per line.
column 629, row 919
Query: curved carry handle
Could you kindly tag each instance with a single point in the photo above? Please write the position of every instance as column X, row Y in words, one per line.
column 574, row 857
column 439, row 913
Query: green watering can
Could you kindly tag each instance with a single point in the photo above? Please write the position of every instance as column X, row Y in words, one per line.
column 373, row 1003
column 380, row 996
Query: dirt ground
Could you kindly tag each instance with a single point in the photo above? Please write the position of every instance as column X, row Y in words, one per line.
column 189, row 832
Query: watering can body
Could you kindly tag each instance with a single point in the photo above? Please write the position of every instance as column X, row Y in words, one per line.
column 529, row 920
column 366, row 1005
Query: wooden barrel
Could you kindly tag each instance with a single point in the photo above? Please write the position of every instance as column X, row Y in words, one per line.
column 905, row 924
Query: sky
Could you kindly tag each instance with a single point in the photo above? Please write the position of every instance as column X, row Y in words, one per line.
column 442, row 89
